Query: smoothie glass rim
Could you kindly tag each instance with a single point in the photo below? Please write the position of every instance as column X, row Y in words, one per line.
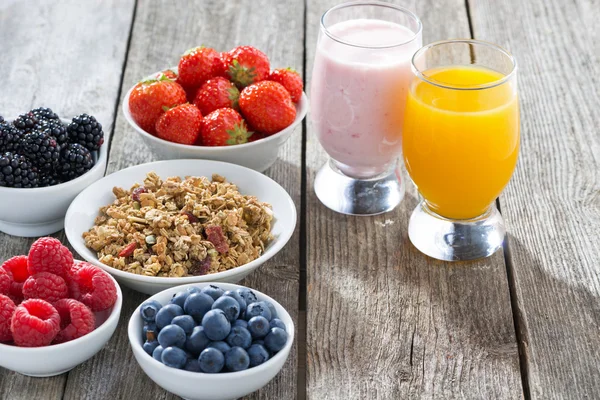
column 403, row 10
column 444, row 85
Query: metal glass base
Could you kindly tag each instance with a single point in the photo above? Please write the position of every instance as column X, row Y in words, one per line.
column 456, row 240
column 353, row 196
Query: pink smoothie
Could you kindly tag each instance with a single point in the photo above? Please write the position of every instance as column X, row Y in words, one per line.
column 358, row 94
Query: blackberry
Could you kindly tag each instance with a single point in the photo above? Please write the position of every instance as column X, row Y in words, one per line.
column 1, row 118
column 41, row 149
column 55, row 128
column 75, row 160
column 26, row 122
column 9, row 137
column 16, row 171
column 50, row 178
column 44, row 114
column 86, row 131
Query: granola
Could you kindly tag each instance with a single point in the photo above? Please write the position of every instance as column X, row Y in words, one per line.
column 176, row 227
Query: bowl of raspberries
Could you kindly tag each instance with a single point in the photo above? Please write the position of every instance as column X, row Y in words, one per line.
column 211, row 340
column 225, row 106
column 45, row 161
column 55, row 312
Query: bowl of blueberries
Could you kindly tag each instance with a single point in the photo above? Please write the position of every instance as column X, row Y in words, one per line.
column 45, row 161
column 211, row 341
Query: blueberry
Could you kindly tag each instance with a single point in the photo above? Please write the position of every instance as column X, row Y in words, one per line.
column 149, row 327
column 192, row 365
column 256, row 309
column 248, row 295
column 271, row 308
column 258, row 327
column 211, row 360
column 277, row 323
column 185, row 322
column 157, row 353
column 216, row 325
column 276, row 339
column 179, row 298
column 213, row 291
column 258, row 354
column 166, row 314
column 198, row 304
column 174, row 357
column 149, row 309
column 240, row 322
column 197, row 341
column 172, row 335
column 149, row 347
column 220, row 345
column 229, row 305
column 239, row 337
column 237, row 297
column 237, row 359
column 259, row 341
column 193, row 289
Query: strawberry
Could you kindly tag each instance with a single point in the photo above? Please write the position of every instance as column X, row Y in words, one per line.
column 290, row 79
column 197, row 66
column 148, row 98
column 180, row 124
column 224, row 127
column 217, row 93
column 246, row 65
column 169, row 73
column 256, row 136
column 267, row 106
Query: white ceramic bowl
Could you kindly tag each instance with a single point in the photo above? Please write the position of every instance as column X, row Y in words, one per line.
column 41, row 211
column 201, row 386
column 60, row 358
column 258, row 155
column 84, row 209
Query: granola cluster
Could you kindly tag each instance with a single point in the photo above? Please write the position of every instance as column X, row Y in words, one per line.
column 176, row 227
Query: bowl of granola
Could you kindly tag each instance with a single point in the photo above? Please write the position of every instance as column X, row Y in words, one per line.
column 167, row 223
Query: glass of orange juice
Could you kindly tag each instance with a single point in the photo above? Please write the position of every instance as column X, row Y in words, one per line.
column 460, row 145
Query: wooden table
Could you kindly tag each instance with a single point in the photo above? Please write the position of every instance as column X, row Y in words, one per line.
column 376, row 319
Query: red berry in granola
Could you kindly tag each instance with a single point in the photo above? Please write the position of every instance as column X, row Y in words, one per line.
column 128, row 250
column 47, row 254
column 76, row 320
column 5, row 281
column 180, row 124
column 217, row 93
column 198, row 65
column 214, row 234
column 97, row 288
column 246, row 65
column 7, row 308
column 267, row 106
column 16, row 267
column 34, row 323
column 45, row 286
column 290, row 79
column 224, row 127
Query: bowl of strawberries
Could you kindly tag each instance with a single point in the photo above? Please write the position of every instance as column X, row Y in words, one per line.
column 227, row 106
column 55, row 312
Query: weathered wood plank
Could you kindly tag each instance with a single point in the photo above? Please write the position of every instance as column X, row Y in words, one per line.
column 383, row 320
column 552, row 206
column 162, row 32
column 51, row 56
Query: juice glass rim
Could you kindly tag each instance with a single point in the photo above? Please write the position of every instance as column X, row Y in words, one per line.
column 443, row 85
column 378, row 4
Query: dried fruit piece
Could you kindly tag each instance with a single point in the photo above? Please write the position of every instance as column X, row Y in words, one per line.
column 128, row 250
column 215, row 235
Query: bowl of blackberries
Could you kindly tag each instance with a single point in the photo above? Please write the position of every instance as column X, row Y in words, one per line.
column 211, row 341
column 45, row 161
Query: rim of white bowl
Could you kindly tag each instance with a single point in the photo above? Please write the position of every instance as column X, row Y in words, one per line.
column 114, row 314
column 277, row 244
column 221, row 375
column 301, row 111
column 100, row 163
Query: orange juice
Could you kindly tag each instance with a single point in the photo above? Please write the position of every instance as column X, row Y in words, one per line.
column 461, row 145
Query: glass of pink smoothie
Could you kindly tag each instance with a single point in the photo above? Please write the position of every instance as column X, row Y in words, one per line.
column 359, row 87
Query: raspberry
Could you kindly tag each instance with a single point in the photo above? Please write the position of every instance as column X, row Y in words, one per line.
column 7, row 308
column 17, row 270
column 45, row 286
column 49, row 255
column 5, row 281
column 76, row 320
column 98, row 290
column 34, row 323
column 74, row 292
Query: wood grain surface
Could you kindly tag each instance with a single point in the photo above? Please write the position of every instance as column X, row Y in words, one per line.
column 552, row 206
column 383, row 320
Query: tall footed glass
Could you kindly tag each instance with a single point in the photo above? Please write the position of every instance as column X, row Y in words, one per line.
column 460, row 146
column 359, row 88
